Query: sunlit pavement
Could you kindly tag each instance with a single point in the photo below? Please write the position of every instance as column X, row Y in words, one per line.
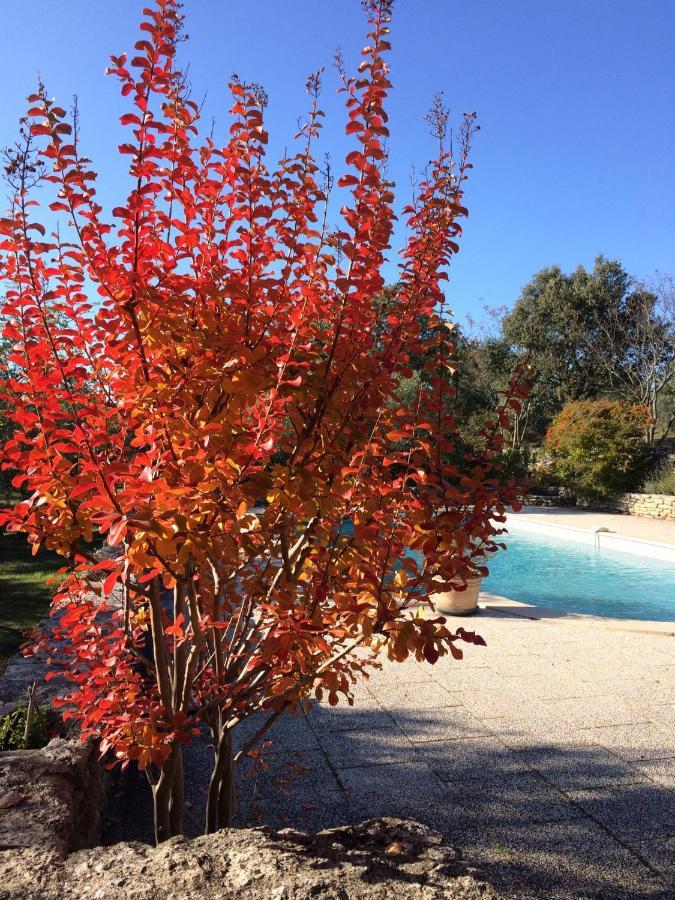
column 547, row 756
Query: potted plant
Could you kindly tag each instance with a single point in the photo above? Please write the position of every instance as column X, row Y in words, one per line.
column 460, row 601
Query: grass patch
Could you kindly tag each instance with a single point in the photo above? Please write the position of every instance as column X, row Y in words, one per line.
column 24, row 596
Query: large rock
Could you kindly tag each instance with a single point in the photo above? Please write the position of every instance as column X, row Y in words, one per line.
column 383, row 859
column 50, row 798
column 50, row 804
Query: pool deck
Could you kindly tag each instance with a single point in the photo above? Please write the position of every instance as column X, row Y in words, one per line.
column 638, row 527
column 546, row 756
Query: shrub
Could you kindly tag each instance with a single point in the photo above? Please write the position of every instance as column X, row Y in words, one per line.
column 598, row 446
column 234, row 352
column 44, row 725
column 662, row 481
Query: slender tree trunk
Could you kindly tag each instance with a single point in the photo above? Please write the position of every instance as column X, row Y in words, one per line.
column 167, row 795
column 226, row 793
column 221, row 797
column 177, row 796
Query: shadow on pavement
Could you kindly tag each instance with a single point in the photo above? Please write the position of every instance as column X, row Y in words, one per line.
column 539, row 820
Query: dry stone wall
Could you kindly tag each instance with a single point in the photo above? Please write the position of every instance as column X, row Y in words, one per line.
column 654, row 506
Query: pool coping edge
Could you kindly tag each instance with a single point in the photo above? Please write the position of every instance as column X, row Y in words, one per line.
column 508, row 607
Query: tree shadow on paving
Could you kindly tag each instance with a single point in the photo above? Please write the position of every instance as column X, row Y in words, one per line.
column 545, row 819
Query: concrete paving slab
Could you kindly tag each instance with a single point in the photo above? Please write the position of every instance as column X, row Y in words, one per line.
column 459, row 824
column 454, row 678
column 660, row 771
column 514, row 798
column 570, row 859
column 595, row 712
column 418, row 695
column 280, row 775
column 345, row 749
column 437, row 724
column 399, row 781
column 573, row 766
column 659, row 853
column 494, row 704
column 648, row 741
column 364, row 714
column 634, row 811
column 481, row 759
column 308, row 810
column 662, row 714
column 559, row 685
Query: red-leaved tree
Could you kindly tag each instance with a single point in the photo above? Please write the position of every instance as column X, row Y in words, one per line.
column 207, row 378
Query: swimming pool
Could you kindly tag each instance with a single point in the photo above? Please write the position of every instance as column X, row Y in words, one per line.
column 572, row 576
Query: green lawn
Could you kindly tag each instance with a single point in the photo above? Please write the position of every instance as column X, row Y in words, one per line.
column 24, row 596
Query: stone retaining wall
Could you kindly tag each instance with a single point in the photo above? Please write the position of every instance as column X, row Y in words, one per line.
column 654, row 506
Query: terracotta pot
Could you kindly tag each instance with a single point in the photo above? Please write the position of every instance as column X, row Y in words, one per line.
column 459, row 603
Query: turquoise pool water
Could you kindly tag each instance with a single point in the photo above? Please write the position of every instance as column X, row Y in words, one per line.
column 575, row 577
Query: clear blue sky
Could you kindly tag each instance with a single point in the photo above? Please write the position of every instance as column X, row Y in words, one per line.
column 576, row 102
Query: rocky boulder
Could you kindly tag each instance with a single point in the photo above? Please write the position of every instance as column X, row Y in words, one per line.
column 382, row 859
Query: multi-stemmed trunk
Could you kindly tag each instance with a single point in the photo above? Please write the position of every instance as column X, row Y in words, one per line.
column 220, row 803
column 168, row 797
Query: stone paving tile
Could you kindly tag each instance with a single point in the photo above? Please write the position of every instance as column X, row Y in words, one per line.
column 594, row 712
column 530, row 734
column 293, row 732
column 557, row 686
column 360, row 748
column 408, row 672
column 659, row 853
column 437, row 724
column 306, row 810
column 634, row 811
column 513, row 798
column 521, row 710
column 364, row 714
column 633, row 743
column 455, row 677
column 527, row 664
column 642, row 703
column 494, row 704
column 400, row 781
column 660, row 771
column 484, row 758
column 285, row 774
column 458, row 825
column 610, row 671
column 420, row 695
column 569, row 859
column 662, row 714
column 572, row 766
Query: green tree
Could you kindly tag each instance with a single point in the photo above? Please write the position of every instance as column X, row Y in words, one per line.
column 594, row 334
column 598, row 446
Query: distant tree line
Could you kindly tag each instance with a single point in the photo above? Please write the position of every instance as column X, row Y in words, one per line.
column 602, row 343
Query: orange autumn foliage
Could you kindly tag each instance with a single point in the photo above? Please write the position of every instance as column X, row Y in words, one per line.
column 214, row 342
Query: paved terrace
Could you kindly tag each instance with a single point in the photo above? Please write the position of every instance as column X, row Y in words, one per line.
column 547, row 756
column 639, row 527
